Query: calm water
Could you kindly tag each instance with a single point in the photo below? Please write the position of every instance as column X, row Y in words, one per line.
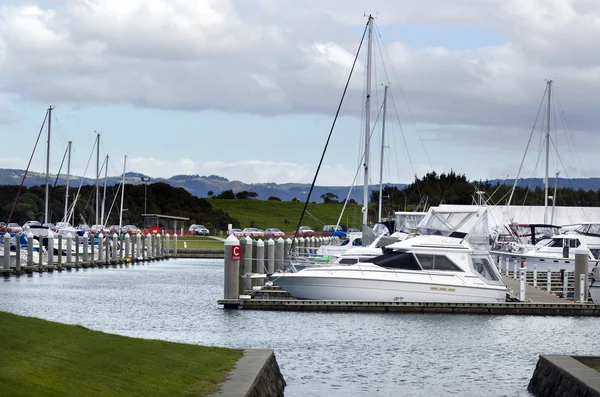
column 320, row 354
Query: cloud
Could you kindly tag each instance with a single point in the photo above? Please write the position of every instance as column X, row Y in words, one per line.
column 284, row 56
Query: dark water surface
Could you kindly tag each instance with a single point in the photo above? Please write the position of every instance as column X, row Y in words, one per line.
column 320, row 354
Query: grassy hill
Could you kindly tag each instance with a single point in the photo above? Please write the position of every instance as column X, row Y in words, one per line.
column 43, row 358
column 284, row 215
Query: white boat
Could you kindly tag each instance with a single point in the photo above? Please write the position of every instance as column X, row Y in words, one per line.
column 555, row 253
column 446, row 266
column 589, row 234
column 595, row 285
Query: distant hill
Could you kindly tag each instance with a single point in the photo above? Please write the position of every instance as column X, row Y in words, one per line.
column 200, row 185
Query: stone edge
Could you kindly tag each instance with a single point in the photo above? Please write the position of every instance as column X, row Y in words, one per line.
column 245, row 377
column 566, row 366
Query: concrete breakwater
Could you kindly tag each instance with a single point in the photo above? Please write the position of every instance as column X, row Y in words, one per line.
column 256, row 374
column 564, row 376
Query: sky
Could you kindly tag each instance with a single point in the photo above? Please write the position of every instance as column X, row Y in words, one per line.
column 248, row 89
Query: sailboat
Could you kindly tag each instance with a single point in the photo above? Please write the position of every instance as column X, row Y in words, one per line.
column 451, row 263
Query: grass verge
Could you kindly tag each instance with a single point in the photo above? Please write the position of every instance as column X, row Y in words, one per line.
column 43, row 358
column 592, row 362
column 198, row 242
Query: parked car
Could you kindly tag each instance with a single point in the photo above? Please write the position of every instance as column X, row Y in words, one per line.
column 329, row 229
column 27, row 224
column 253, row 232
column 2, row 227
column 200, row 230
column 273, row 232
column 14, row 228
column 353, row 230
column 114, row 229
column 84, row 227
column 305, row 231
column 130, row 229
column 97, row 229
column 237, row 232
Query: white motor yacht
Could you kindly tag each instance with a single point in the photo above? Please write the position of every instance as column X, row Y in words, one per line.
column 446, row 266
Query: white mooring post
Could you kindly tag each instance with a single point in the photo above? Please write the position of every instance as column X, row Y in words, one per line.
column 522, row 284
column 515, row 270
column 247, row 264
column 167, row 244
column 175, row 245
column 18, row 257
column 507, row 266
column 549, row 280
column 6, row 251
column 100, row 248
column 50, row 248
column 279, row 252
column 581, row 270
column 69, row 248
column 270, row 256
column 233, row 251
column 260, row 260
column 138, row 245
column 41, row 254
column 86, row 241
column 29, row 249
column 59, row 244
column 565, row 283
column 127, row 246
column 115, row 247
column 535, row 275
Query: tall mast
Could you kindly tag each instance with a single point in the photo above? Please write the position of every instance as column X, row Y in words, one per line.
column 47, row 195
column 554, row 198
column 385, row 91
column 367, row 123
column 122, row 193
column 547, row 151
column 104, row 195
column 65, row 216
column 97, row 176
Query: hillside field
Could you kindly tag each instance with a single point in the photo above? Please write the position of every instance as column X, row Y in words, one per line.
column 284, row 215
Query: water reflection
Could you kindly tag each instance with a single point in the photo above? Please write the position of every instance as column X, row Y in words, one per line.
column 320, row 354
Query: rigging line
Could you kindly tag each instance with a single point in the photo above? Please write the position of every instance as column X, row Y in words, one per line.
column 82, row 178
column 26, row 169
column 561, row 162
column 570, row 135
column 527, row 147
column 58, row 175
column 406, row 103
column 315, row 218
column 329, row 136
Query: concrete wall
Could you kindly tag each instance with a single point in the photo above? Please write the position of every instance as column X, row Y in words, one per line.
column 257, row 374
column 564, row 376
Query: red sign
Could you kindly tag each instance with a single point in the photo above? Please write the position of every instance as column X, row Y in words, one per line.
column 236, row 253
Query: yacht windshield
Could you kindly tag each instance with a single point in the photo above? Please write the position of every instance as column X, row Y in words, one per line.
column 397, row 260
column 437, row 262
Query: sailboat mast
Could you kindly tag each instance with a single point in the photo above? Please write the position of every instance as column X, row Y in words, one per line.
column 554, row 198
column 47, row 195
column 385, row 91
column 367, row 123
column 547, row 151
column 122, row 193
column 97, row 176
column 104, row 194
column 65, row 217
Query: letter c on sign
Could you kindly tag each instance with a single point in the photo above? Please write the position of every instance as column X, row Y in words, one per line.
column 236, row 252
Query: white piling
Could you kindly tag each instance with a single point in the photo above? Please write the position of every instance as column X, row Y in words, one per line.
column 29, row 249
column 515, row 270
column 247, row 264
column 18, row 258
column 50, row 248
column 175, row 245
column 260, row 260
column 565, row 283
column 6, row 251
column 40, row 253
column 148, row 246
column 232, row 268
column 127, row 246
column 167, row 244
column 115, row 247
column 507, row 265
column 549, row 280
column 279, row 252
column 77, row 255
column 107, row 251
column 69, row 248
column 85, row 247
column 300, row 245
column 535, row 275
column 522, row 284
column 100, row 248
column 138, row 245
column 270, row 256
column 287, row 246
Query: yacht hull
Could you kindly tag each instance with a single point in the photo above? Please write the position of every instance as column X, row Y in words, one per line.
column 365, row 289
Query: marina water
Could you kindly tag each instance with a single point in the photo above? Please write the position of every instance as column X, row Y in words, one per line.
column 320, row 354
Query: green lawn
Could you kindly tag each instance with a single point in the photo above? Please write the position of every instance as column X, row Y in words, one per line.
column 284, row 215
column 592, row 362
column 198, row 242
column 43, row 358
